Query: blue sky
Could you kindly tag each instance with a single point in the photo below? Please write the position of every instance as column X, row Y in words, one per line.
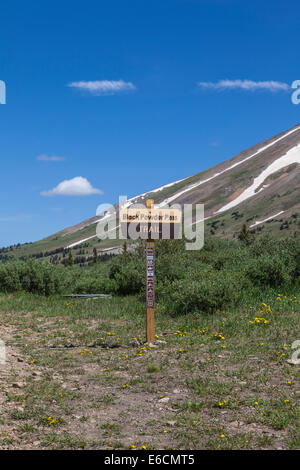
column 146, row 121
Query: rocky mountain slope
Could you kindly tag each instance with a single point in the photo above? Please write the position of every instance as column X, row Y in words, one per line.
column 260, row 187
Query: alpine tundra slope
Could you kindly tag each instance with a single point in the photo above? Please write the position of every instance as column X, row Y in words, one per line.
column 259, row 187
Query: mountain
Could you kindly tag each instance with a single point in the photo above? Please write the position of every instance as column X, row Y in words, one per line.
column 259, row 187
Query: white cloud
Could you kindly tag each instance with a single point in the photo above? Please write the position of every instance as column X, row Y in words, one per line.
column 248, row 85
column 49, row 158
column 103, row 87
column 77, row 186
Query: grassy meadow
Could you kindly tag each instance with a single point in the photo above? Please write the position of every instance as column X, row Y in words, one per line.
column 79, row 374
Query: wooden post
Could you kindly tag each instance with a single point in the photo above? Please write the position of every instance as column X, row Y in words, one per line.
column 150, row 222
column 150, row 282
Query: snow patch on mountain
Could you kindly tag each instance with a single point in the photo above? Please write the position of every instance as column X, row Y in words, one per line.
column 195, row 185
column 79, row 242
column 292, row 156
column 134, row 199
column 265, row 220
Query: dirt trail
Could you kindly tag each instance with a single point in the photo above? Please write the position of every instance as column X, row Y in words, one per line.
column 15, row 365
column 13, row 374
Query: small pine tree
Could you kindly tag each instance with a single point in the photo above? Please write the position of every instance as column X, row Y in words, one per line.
column 244, row 235
column 95, row 256
column 70, row 260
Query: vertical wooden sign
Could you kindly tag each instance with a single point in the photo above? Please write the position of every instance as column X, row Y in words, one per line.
column 150, row 224
column 150, row 265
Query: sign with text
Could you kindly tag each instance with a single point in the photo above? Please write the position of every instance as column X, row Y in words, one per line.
column 150, row 276
column 150, row 224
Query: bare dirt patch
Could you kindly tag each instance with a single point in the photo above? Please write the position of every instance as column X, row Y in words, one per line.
column 82, row 377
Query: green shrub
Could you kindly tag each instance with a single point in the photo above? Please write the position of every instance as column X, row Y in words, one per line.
column 206, row 292
column 224, row 273
column 268, row 270
column 33, row 276
column 93, row 283
column 128, row 274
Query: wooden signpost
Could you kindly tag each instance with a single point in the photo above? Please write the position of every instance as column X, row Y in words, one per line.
column 150, row 224
column 150, row 291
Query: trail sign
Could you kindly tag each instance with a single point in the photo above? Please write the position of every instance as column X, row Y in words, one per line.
column 150, row 276
column 150, row 224
column 150, row 292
